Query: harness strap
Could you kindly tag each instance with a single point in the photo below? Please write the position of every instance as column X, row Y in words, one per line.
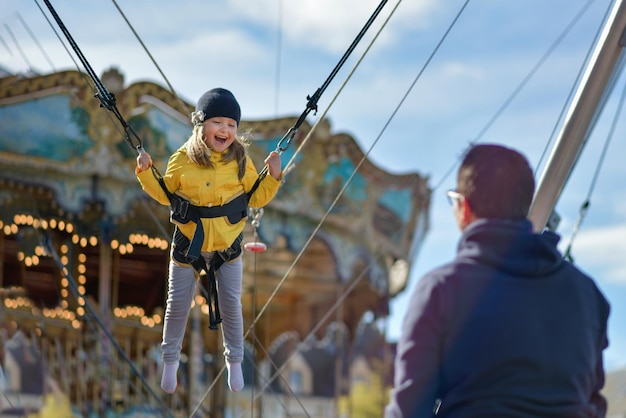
column 188, row 252
column 182, row 212
column 219, row 258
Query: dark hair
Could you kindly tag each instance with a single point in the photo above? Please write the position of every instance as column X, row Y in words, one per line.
column 496, row 181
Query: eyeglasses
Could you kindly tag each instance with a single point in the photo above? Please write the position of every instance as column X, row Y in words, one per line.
column 453, row 196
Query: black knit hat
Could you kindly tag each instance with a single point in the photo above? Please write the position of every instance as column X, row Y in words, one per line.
column 219, row 102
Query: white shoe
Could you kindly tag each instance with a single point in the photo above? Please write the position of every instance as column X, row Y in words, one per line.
column 168, row 377
column 235, row 376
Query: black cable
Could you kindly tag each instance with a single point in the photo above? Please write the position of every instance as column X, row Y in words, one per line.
column 122, row 132
column 107, row 100
column 285, row 141
column 585, row 206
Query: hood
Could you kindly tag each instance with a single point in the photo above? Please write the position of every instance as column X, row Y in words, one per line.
column 511, row 246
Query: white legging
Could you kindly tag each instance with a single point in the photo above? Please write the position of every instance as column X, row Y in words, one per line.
column 181, row 289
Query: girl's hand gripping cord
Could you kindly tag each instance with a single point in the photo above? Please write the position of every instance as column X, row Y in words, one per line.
column 144, row 160
column 273, row 164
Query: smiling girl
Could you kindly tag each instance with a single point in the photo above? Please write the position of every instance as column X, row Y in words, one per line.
column 211, row 174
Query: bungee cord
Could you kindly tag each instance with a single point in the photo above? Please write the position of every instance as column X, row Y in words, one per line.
column 107, row 101
column 87, row 80
column 316, row 229
column 166, row 235
column 285, row 141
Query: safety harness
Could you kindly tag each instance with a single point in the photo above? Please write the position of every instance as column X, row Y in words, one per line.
column 188, row 252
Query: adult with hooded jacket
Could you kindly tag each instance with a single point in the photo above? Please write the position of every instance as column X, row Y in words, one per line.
column 509, row 328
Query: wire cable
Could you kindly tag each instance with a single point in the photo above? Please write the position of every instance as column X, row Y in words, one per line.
column 279, row 50
column 285, row 141
column 572, row 91
column 47, row 243
column 348, row 181
column 91, row 315
column 34, row 38
column 57, row 35
column 515, row 92
column 338, row 302
column 107, row 99
column 291, row 163
column 183, row 107
column 19, row 48
column 88, row 83
column 356, row 169
column 585, row 206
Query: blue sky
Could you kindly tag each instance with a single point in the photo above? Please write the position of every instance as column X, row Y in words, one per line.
column 477, row 86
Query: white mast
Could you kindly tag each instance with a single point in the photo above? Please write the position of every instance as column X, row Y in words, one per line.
column 602, row 71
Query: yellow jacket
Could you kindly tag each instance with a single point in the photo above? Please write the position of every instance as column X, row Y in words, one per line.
column 203, row 186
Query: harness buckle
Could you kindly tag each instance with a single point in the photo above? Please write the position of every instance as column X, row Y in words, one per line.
column 180, row 207
column 183, row 208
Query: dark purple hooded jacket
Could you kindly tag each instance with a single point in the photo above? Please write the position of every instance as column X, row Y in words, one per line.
column 507, row 329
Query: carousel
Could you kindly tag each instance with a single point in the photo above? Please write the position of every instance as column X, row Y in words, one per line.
column 84, row 252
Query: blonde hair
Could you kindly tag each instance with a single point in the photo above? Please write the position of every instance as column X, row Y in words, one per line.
column 199, row 153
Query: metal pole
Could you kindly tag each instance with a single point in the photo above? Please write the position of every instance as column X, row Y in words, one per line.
column 601, row 73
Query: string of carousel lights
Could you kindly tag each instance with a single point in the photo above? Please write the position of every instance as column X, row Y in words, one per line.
column 63, row 312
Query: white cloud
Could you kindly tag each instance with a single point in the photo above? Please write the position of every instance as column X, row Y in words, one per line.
column 329, row 24
column 602, row 249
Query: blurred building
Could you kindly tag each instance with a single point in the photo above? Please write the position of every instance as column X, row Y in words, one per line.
column 615, row 393
column 84, row 250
